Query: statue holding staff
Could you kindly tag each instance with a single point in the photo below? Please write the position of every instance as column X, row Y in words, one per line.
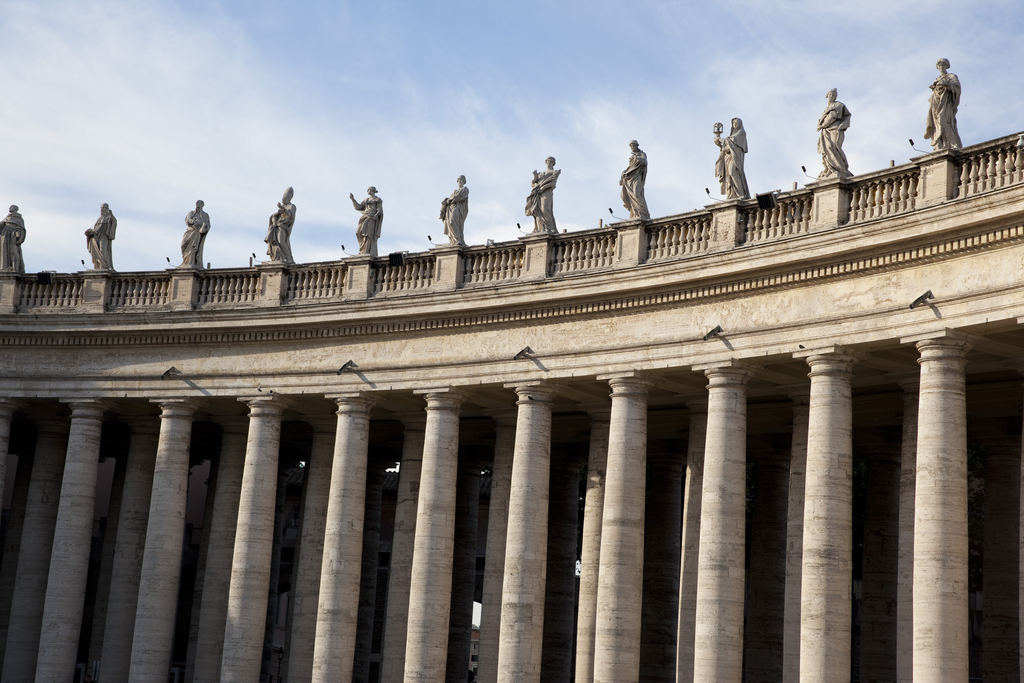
column 632, row 182
column 540, row 201
column 454, row 210
column 279, row 232
column 198, row 225
column 940, row 127
column 729, row 167
column 832, row 127
column 98, row 239
column 368, row 230
column 12, row 236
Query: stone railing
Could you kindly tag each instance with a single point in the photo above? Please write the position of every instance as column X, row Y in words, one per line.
column 928, row 181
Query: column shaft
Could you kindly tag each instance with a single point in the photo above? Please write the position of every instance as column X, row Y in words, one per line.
column 460, row 623
column 72, row 540
column 620, row 576
column 718, row 641
column 1000, row 624
column 200, row 580
column 100, row 611
column 12, row 544
column 880, row 567
column 690, row 543
column 430, row 586
column 905, row 581
column 161, row 561
column 560, row 584
column 368, row 585
column 940, row 509
column 305, row 593
column 254, row 540
column 795, row 538
column 400, row 567
column 497, row 526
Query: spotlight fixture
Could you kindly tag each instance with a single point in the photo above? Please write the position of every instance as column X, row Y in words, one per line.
column 766, row 200
column 922, row 300
column 397, row 258
column 526, row 353
column 170, row 372
column 168, row 259
column 804, row 169
column 489, row 243
column 349, row 366
column 708, row 192
column 521, row 228
column 911, row 141
column 717, row 331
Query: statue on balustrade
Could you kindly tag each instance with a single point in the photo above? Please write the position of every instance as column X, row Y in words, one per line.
column 197, row 224
column 940, row 128
column 454, row 210
column 540, row 201
column 832, row 127
column 368, row 230
column 729, row 167
column 99, row 237
column 12, row 236
column 279, row 234
column 632, row 182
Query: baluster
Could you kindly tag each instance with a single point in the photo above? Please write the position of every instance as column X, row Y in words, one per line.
column 1018, row 164
column 991, row 173
column 975, row 163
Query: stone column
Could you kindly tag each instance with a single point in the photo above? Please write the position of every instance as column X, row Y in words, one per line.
column 905, row 561
column 620, row 579
column 118, row 631
column 590, row 559
column 1000, row 625
column 371, row 560
column 430, row 586
column 940, row 525
column 7, row 408
column 400, row 568
column 12, row 544
column 254, row 540
column 100, row 611
column 690, row 543
column 340, row 575
column 200, row 578
column 827, row 571
column 34, row 555
column 161, row 563
column 662, row 537
column 880, row 566
column 560, row 584
column 766, row 586
column 795, row 536
column 460, row 621
column 72, row 540
column 305, row 593
column 497, row 526
column 221, row 541
column 718, row 640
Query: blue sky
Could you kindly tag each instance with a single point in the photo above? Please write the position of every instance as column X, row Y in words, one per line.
column 150, row 105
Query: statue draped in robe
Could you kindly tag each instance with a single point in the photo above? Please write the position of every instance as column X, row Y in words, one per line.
column 632, row 182
column 940, row 127
column 279, row 232
column 99, row 237
column 368, row 230
column 540, row 201
column 832, row 127
column 454, row 210
column 12, row 236
column 729, row 167
column 198, row 224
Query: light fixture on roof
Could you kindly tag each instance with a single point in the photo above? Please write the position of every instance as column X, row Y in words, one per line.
column 922, row 300
column 526, row 353
column 349, row 366
column 717, row 331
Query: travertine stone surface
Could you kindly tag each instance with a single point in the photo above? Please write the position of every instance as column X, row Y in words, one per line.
column 795, row 536
column 905, row 581
column 940, row 509
column 400, row 569
column 690, row 543
column 34, row 557
column 454, row 210
column 662, row 536
column 881, row 561
column 593, row 511
column 460, row 620
column 826, row 574
column 633, row 180
column 368, row 581
column 72, row 540
column 1000, row 626
column 197, row 589
column 7, row 409
column 119, row 629
column 368, row 231
column 161, row 562
column 340, row 575
column 832, row 125
column 305, row 593
column 221, row 540
column 426, row 650
column 279, row 231
column 540, row 201
column 940, row 127
column 620, row 576
column 101, row 605
column 12, row 545
column 729, row 167
column 497, row 527
column 98, row 239
column 718, row 641
column 523, row 590
column 254, row 540
column 197, row 225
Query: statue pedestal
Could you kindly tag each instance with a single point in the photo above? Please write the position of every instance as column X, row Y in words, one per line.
column 726, row 225
column 447, row 268
column 359, row 277
column 537, row 257
column 8, row 293
column 630, row 243
column 831, row 203
column 939, row 177
column 183, row 288
column 95, row 291
column 273, row 282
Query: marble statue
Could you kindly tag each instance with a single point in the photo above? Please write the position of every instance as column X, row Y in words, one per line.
column 832, row 127
column 454, row 210
column 368, row 230
column 198, row 224
column 279, row 233
column 99, row 237
column 632, row 182
column 729, row 167
column 12, row 236
column 940, row 128
column 540, row 201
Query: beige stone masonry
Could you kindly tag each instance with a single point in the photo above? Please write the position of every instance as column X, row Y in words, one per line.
column 795, row 536
column 690, row 544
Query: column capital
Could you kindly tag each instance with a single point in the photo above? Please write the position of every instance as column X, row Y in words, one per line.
column 443, row 398
column 352, row 403
column 837, row 363
column 141, row 425
column 505, row 417
column 322, row 424
column 800, row 396
column 629, row 385
column 87, row 408
column 8, row 407
column 538, row 392
column 270, row 405
column 910, row 385
column 599, row 411
column 176, row 407
column 948, row 335
column 943, row 348
column 731, row 372
column 697, row 405
column 230, row 424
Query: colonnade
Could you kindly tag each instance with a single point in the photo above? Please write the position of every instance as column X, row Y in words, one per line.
column 662, row 590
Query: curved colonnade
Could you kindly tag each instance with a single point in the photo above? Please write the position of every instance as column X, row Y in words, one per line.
column 712, row 386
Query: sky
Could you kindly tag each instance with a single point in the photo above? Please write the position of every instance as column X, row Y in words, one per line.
column 149, row 105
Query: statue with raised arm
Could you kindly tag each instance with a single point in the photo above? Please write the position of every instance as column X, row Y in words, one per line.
column 12, row 236
column 454, row 210
column 832, row 127
column 197, row 224
column 540, row 201
column 940, row 128
column 368, row 230
column 279, row 233
column 99, row 237
column 729, row 167
column 632, row 182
